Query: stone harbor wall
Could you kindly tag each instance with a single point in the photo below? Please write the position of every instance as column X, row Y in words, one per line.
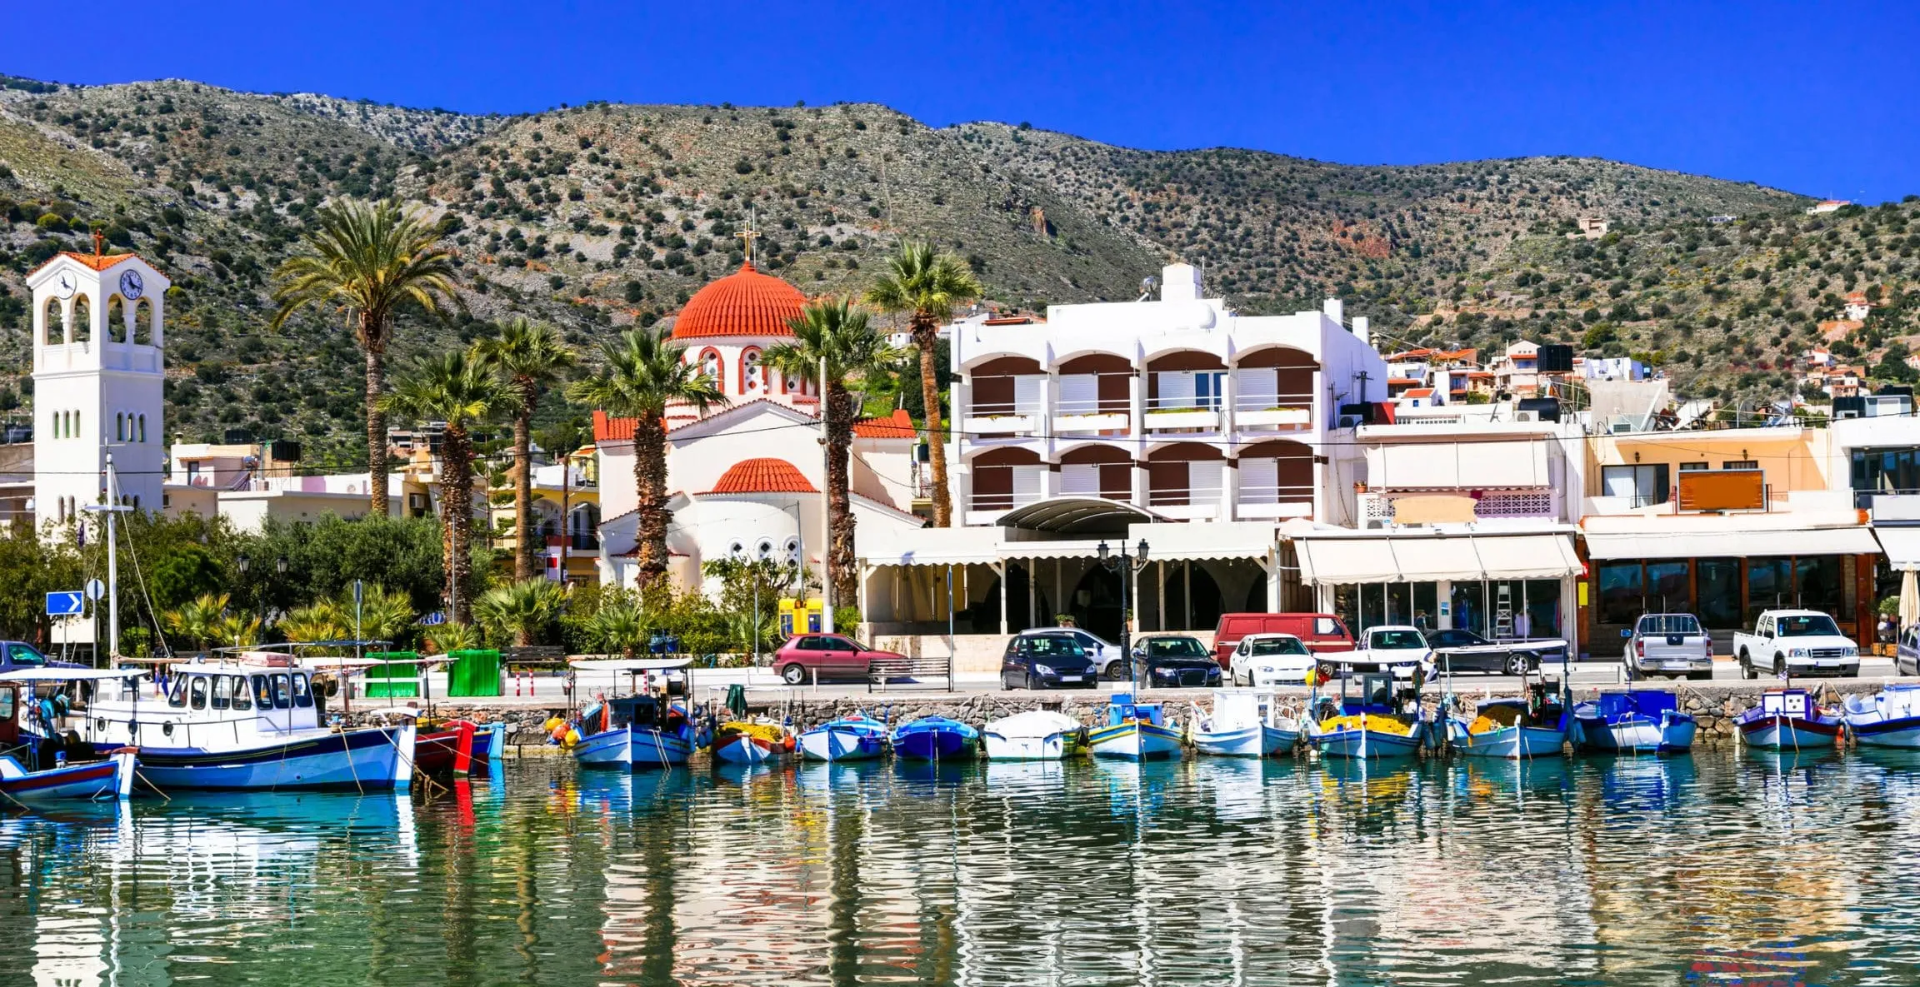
column 1713, row 704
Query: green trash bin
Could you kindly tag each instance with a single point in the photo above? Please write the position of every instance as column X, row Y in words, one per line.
column 397, row 679
column 474, row 673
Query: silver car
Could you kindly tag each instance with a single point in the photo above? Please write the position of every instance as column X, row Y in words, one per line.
column 1670, row 644
column 1105, row 655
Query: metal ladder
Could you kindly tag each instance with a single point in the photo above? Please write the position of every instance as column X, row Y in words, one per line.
column 1503, row 611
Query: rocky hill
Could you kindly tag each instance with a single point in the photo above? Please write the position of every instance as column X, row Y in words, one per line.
column 600, row 215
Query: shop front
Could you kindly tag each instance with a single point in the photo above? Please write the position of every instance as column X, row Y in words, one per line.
column 1504, row 586
column 1725, row 575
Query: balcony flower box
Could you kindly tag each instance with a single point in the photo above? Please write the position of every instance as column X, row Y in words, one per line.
column 1091, row 422
column 1168, row 418
column 999, row 424
column 1274, row 418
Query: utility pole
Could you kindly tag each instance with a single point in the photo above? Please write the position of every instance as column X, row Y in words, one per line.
column 110, row 508
column 826, row 509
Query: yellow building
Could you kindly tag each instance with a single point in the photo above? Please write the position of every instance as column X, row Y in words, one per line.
column 566, row 505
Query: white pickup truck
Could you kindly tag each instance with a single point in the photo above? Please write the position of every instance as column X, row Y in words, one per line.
column 1795, row 642
column 1392, row 648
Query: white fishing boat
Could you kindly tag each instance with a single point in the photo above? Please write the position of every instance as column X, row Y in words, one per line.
column 1245, row 723
column 1036, row 735
column 639, row 729
column 1133, row 731
column 251, row 720
column 1889, row 718
column 36, row 769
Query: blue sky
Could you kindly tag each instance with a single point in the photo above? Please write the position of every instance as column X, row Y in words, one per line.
column 1822, row 99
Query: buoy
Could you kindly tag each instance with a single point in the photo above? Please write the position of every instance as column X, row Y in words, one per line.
column 573, row 737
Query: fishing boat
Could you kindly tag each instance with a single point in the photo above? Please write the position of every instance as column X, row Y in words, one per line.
column 248, row 720
column 632, row 732
column 850, row 738
column 36, row 768
column 1640, row 721
column 444, row 747
column 1379, row 723
column 741, row 742
column 1515, row 729
column 1890, row 718
column 1134, row 731
column 108, row 779
column 1036, row 735
column 1245, row 723
column 489, row 743
column 934, row 738
column 1788, row 719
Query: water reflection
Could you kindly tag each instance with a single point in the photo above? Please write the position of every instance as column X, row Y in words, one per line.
column 1711, row 869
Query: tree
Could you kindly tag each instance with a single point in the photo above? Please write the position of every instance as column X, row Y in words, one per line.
column 199, row 620
column 926, row 286
column 529, row 357
column 462, row 392
column 369, row 259
column 834, row 333
column 520, row 610
column 325, row 556
column 643, row 374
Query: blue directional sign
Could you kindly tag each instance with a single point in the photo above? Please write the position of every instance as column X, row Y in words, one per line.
column 434, row 619
column 65, row 604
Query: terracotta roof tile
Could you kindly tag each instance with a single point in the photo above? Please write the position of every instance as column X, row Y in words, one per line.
column 744, row 303
column 609, row 429
column 99, row 262
column 766, row 475
column 897, row 426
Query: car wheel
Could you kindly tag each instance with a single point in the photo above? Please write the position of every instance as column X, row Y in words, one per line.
column 1029, row 682
column 1115, row 671
column 1631, row 672
column 1516, row 664
column 1777, row 662
column 793, row 675
column 1746, row 667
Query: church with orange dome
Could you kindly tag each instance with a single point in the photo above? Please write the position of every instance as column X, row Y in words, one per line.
column 748, row 477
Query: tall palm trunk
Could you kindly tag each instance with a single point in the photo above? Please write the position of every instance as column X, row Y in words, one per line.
column 523, row 489
column 376, row 418
column 457, row 507
column 840, row 561
column 650, row 486
column 926, row 336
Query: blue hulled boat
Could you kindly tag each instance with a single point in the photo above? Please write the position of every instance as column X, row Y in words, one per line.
column 934, row 738
column 1788, row 719
column 1644, row 721
column 851, row 738
column 1511, row 729
column 1891, row 718
column 1134, row 731
column 634, row 732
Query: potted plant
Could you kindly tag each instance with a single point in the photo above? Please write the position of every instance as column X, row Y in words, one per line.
column 1064, row 620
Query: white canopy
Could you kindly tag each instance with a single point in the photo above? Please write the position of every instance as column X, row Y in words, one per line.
column 1526, row 556
column 70, row 674
column 1730, row 543
column 1333, row 559
column 1902, row 546
column 630, row 664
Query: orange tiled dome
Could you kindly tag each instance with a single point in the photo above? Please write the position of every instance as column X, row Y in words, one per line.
column 744, row 303
column 753, row 476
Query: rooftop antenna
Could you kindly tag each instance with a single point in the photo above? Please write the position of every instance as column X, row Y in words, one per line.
column 1146, row 288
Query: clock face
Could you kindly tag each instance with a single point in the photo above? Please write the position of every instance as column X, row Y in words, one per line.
column 131, row 286
column 66, row 285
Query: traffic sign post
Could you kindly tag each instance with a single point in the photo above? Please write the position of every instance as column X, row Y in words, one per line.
column 66, row 604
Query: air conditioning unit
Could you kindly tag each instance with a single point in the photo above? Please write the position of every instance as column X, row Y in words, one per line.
column 1351, row 421
column 1526, row 416
column 1620, row 428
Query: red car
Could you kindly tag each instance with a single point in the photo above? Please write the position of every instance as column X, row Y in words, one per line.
column 826, row 656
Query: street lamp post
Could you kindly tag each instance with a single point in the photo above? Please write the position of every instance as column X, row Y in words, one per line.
column 1128, row 567
column 242, row 562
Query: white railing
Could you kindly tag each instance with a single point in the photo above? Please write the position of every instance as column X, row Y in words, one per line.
column 1187, row 403
column 1190, row 496
column 1275, row 493
column 1273, row 402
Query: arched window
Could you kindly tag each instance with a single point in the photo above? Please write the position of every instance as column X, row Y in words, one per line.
column 119, row 427
column 82, row 319
column 143, row 428
column 117, row 320
column 752, row 377
column 50, row 318
column 710, row 367
column 143, row 322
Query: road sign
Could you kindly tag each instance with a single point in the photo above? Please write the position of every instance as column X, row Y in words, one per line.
column 434, row 619
column 96, row 589
column 64, row 604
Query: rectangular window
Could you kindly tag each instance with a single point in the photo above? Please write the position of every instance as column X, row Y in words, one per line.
column 1642, row 486
column 240, row 700
column 1719, row 583
column 262, row 692
column 1175, row 390
column 1818, row 584
column 1621, row 598
column 302, row 698
column 1257, row 389
column 6, row 705
column 1027, row 484
column 1694, row 467
column 177, row 695
column 1208, row 389
column 1769, row 586
column 1080, row 480
column 1079, row 394
column 197, row 688
column 1740, row 464
column 282, row 692
column 1667, row 589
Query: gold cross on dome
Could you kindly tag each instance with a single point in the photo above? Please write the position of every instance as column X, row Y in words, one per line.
column 748, row 235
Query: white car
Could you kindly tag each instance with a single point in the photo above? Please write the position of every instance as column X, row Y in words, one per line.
column 1266, row 660
column 1392, row 648
column 1106, row 656
column 1795, row 642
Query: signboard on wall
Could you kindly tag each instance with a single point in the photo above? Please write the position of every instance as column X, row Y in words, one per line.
column 1432, row 509
column 1723, row 490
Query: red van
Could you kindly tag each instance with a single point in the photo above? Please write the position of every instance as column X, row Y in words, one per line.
column 1321, row 632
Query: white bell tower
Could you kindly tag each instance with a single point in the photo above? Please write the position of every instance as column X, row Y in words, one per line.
column 98, row 376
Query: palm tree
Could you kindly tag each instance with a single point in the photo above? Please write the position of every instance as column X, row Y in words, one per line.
column 199, row 620
column 385, row 615
column 322, row 620
column 460, row 390
column 529, row 356
column 834, row 333
column 520, row 609
column 617, row 626
column 369, row 259
column 926, row 286
column 643, row 375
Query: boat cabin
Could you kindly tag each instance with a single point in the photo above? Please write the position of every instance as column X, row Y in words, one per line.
column 642, row 712
column 208, row 703
column 1379, row 696
column 1615, row 706
column 1786, row 702
column 1122, row 709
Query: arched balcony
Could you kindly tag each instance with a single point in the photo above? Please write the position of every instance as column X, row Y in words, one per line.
column 1185, row 391
column 1097, row 470
column 1185, row 480
column 1273, row 389
column 1005, row 396
column 1274, row 479
column 1096, row 395
column 1003, row 479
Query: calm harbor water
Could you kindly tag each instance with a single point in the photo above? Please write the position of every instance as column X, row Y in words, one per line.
column 1717, row 869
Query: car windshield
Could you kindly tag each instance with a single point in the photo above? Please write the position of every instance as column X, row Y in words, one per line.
column 1669, row 623
column 1809, row 625
column 1175, row 647
column 1277, row 646
column 1458, row 638
column 1398, row 640
column 21, row 654
column 1055, row 644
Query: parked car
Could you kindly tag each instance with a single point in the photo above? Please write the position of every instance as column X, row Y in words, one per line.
column 1320, row 632
column 1267, row 660
column 1395, row 648
column 1462, row 650
column 1047, row 661
column 829, row 656
column 1906, row 655
column 1105, row 654
column 1170, row 661
column 1795, row 642
column 1670, row 644
column 17, row 655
